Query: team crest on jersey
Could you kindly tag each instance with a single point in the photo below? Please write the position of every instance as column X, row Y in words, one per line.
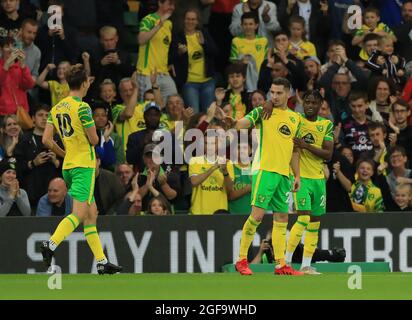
column 166, row 40
column 284, row 129
column 213, row 180
column 197, row 55
column 292, row 119
column 320, row 128
column 308, row 138
column 258, row 47
column 371, row 196
column 302, row 202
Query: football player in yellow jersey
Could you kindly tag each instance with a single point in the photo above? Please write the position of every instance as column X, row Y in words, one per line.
column 73, row 120
column 271, row 184
column 315, row 140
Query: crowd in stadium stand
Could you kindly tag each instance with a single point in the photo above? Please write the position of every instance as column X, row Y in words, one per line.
column 195, row 62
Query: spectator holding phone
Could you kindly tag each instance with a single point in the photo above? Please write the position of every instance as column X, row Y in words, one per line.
column 15, row 78
column 36, row 164
column 110, row 62
column 58, row 42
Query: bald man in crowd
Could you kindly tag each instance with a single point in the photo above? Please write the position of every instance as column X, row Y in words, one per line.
column 57, row 202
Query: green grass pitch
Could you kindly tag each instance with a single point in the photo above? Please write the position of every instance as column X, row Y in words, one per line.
column 216, row 286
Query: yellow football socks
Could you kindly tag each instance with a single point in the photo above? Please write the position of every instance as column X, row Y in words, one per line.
column 63, row 230
column 279, row 242
column 311, row 242
column 295, row 236
column 93, row 240
column 248, row 233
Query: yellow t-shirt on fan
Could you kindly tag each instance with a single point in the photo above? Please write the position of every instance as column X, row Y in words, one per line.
column 211, row 194
column 197, row 67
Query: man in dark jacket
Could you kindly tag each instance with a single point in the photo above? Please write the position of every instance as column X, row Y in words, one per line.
column 108, row 190
column 36, row 165
column 110, row 62
column 58, row 43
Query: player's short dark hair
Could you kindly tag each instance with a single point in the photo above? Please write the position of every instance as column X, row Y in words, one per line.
column 371, row 9
column 370, row 37
column 372, row 126
column 312, row 93
column 356, row 95
column 249, row 15
column 236, row 67
column 400, row 102
column 282, row 82
column 76, row 76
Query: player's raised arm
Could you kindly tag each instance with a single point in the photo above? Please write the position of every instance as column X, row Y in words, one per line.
column 246, row 122
column 49, row 142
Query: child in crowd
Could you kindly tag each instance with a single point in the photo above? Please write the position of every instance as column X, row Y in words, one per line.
column 158, row 206
column 403, row 197
column 386, row 62
column 370, row 44
column 364, row 195
column 371, row 24
column 299, row 46
column 59, row 89
column 250, row 46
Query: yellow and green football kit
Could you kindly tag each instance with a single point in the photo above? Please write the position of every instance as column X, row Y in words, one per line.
column 312, row 193
column 271, row 166
column 70, row 117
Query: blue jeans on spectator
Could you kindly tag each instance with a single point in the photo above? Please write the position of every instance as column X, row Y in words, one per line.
column 199, row 96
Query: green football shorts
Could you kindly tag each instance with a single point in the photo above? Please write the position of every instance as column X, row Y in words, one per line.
column 80, row 183
column 311, row 196
column 270, row 191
